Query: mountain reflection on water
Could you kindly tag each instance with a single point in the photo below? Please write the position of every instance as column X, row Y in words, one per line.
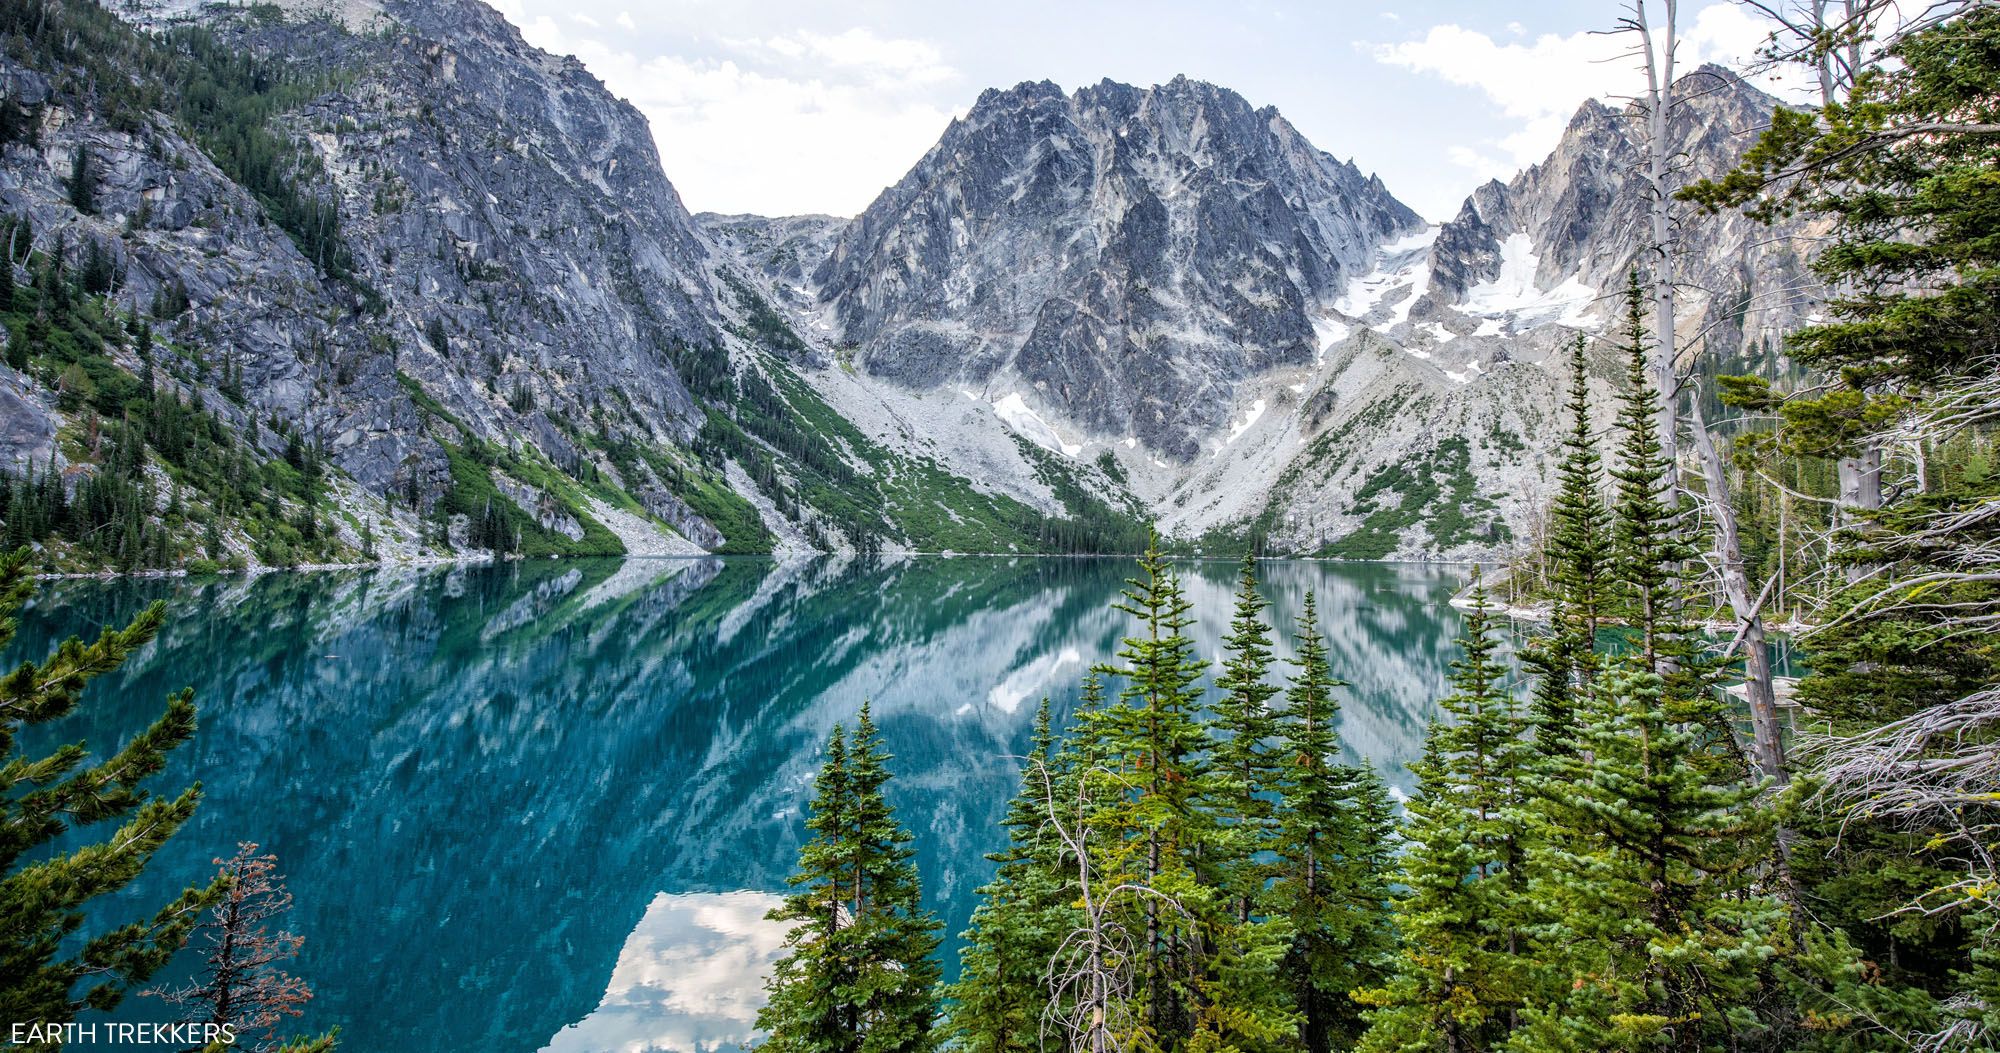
column 545, row 805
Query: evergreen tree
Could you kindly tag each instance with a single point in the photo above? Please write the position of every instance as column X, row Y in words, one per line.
column 46, row 975
column 1653, row 874
column 997, row 1003
column 1150, row 747
column 243, row 985
column 1246, row 761
column 1580, row 556
column 1904, row 170
column 14, row 121
column 1463, row 916
column 859, row 976
column 82, row 184
column 1334, row 827
column 1648, row 541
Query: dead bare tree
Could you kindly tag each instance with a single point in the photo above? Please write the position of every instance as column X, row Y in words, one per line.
column 1090, row 978
column 1657, row 49
column 243, row 985
column 1769, row 746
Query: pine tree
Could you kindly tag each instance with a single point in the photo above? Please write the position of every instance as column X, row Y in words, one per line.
column 859, row 976
column 998, row 1001
column 1580, row 555
column 1648, row 540
column 243, row 985
column 1652, row 872
column 1334, row 826
column 45, row 975
column 1246, row 764
column 1463, row 972
column 82, row 185
column 1902, row 172
column 1151, row 748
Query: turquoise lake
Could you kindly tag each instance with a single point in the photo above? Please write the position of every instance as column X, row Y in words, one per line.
column 544, row 806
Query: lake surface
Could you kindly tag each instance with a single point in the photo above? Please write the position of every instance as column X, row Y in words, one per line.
column 544, row 806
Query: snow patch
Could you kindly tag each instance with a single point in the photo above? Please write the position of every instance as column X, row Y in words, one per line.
column 1437, row 330
column 1489, row 327
column 1328, row 332
column 1403, row 264
column 1257, row 409
column 1513, row 294
column 1029, row 425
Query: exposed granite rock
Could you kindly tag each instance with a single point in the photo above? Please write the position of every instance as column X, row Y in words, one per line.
column 1128, row 255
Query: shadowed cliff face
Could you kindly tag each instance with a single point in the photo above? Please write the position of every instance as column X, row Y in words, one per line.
column 509, row 800
column 1128, row 254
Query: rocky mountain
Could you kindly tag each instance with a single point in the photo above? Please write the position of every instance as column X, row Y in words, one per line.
column 443, row 264
column 1430, row 430
column 1118, row 257
column 1269, row 346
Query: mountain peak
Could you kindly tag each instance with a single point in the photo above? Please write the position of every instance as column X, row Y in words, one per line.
column 1045, row 228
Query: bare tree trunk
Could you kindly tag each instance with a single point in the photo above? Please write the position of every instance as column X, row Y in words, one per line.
column 1657, row 101
column 1757, row 682
column 1860, row 493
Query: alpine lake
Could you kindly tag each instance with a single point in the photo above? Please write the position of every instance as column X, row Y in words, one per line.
column 545, row 805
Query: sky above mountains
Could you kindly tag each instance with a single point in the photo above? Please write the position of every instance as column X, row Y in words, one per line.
column 793, row 106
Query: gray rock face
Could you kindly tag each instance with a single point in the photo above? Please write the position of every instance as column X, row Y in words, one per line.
column 1582, row 215
column 487, row 191
column 1128, row 254
column 27, row 424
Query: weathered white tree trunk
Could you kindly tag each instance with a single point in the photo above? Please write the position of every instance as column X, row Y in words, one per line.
column 1769, row 744
column 1657, row 102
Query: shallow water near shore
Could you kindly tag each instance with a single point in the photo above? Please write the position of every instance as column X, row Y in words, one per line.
column 545, row 805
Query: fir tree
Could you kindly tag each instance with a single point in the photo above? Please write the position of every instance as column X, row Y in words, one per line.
column 1246, row 761
column 82, row 184
column 1462, row 974
column 1150, row 746
column 45, row 974
column 1334, row 826
column 859, row 976
column 1652, row 872
column 1647, row 540
column 998, row 1002
column 1580, row 555
column 243, row 985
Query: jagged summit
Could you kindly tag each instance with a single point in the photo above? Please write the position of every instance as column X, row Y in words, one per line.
column 1118, row 258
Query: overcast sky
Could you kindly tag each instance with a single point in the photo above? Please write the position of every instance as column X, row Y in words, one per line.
column 790, row 106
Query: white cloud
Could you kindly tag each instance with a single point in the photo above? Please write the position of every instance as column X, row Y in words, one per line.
column 800, row 122
column 1538, row 84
